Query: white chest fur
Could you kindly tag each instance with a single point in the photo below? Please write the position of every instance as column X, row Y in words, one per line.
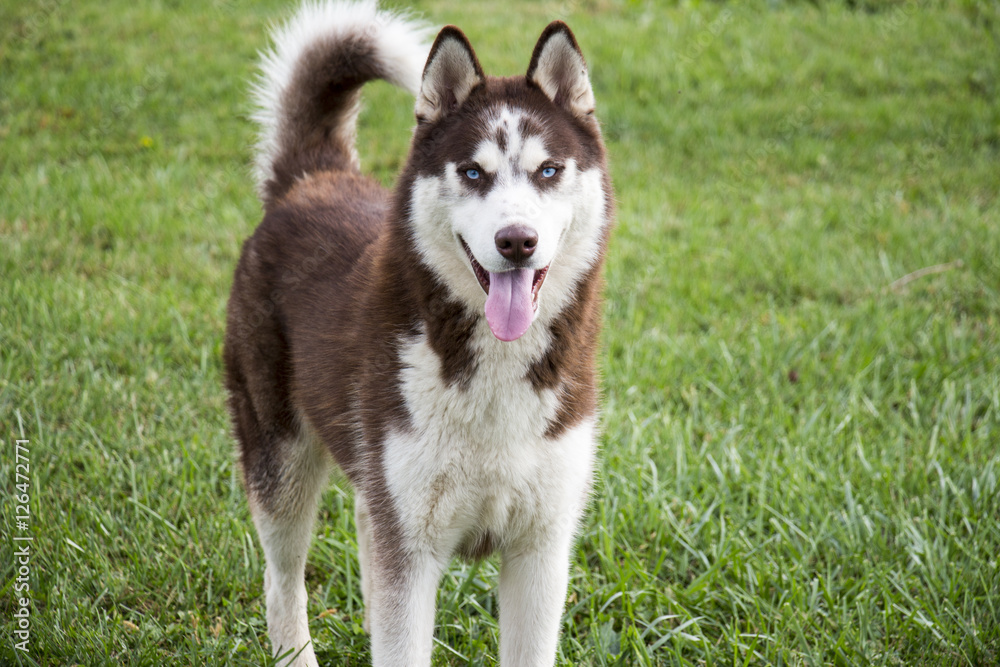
column 476, row 458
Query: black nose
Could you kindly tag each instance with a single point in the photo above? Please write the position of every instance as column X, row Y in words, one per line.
column 516, row 243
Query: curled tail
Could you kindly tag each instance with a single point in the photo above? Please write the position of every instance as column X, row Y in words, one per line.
column 308, row 94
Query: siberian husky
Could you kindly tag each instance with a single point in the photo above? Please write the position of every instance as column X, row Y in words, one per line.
column 436, row 342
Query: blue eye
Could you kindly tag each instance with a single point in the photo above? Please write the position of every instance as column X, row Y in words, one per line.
column 548, row 172
column 472, row 174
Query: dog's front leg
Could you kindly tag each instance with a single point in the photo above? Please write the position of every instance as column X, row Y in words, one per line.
column 401, row 611
column 532, row 594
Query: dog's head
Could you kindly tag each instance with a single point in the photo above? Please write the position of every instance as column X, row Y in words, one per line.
column 507, row 203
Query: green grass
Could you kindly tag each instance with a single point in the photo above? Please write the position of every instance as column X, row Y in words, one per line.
column 800, row 455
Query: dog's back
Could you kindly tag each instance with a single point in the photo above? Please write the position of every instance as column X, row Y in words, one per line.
column 299, row 273
column 439, row 341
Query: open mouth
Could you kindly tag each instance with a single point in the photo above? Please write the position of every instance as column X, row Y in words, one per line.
column 484, row 276
column 511, row 297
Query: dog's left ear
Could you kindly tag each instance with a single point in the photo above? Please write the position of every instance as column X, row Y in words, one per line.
column 558, row 68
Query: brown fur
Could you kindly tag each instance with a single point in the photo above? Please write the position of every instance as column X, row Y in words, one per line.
column 330, row 283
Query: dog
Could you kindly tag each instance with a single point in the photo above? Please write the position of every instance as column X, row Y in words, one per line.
column 438, row 342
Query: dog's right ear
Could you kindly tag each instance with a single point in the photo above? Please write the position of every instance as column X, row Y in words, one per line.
column 451, row 73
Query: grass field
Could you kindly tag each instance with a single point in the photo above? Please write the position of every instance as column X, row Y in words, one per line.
column 801, row 386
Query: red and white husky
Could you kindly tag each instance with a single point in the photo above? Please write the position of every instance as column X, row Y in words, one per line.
column 437, row 342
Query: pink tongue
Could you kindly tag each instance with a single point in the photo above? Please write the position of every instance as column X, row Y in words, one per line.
column 508, row 305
